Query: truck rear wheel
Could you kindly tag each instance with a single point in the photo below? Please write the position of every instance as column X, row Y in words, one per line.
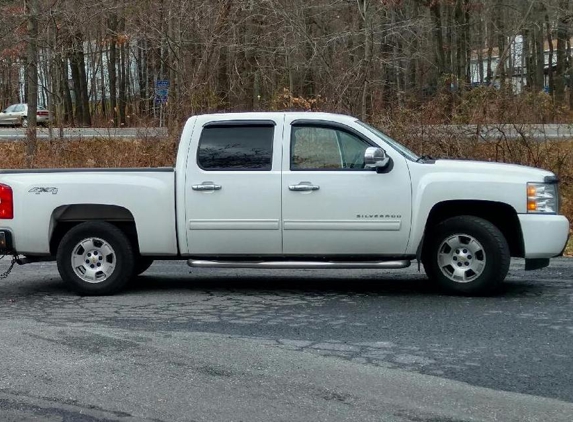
column 95, row 258
column 467, row 255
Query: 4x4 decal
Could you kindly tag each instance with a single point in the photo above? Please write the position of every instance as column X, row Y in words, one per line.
column 39, row 190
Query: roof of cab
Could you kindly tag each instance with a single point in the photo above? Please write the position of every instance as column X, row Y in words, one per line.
column 276, row 115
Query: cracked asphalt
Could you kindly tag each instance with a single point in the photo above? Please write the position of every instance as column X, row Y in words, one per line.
column 249, row 345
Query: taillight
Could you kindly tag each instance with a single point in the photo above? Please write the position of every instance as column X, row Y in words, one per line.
column 42, row 113
column 6, row 202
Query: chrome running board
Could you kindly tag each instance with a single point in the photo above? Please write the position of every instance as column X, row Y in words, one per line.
column 198, row 263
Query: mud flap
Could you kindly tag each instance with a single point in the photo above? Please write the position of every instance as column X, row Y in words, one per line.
column 536, row 264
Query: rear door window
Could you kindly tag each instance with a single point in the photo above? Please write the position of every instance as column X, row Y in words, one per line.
column 236, row 147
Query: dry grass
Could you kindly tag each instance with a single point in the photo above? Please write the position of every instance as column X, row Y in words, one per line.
column 95, row 153
column 92, row 153
column 569, row 248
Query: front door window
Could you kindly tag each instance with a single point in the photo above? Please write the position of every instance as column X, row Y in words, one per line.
column 319, row 148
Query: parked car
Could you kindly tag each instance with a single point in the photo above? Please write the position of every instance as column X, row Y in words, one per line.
column 286, row 190
column 17, row 115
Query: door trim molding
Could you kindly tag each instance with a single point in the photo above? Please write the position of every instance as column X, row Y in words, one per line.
column 233, row 224
column 343, row 225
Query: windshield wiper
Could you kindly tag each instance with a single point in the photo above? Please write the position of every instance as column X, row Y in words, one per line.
column 425, row 158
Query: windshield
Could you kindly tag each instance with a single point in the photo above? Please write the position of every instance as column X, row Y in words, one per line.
column 397, row 146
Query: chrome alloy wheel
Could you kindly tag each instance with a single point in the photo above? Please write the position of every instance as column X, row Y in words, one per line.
column 461, row 258
column 93, row 260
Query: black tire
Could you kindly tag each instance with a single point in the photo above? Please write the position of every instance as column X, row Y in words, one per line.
column 142, row 264
column 494, row 259
column 120, row 263
column 24, row 122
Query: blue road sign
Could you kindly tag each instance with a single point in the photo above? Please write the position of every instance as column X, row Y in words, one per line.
column 162, row 84
column 161, row 91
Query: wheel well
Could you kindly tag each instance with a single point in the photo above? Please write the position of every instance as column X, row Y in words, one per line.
column 503, row 216
column 68, row 216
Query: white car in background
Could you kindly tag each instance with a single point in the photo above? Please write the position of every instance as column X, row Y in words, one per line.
column 17, row 115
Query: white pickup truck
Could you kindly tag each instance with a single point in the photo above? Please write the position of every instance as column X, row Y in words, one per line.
column 285, row 190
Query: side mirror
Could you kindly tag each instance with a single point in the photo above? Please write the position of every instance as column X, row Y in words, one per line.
column 376, row 158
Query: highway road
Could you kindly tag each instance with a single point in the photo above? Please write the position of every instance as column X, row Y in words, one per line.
column 267, row 345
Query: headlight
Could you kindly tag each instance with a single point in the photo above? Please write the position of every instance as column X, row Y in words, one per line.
column 542, row 198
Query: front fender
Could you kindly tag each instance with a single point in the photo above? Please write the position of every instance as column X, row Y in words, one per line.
column 434, row 189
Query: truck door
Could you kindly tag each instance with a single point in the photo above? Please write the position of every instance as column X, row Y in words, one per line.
column 331, row 204
column 233, row 187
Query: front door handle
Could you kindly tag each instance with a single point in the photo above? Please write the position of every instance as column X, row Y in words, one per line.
column 206, row 186
column 304, row 187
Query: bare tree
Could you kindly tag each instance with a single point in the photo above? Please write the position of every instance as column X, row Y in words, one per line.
column 32, row 10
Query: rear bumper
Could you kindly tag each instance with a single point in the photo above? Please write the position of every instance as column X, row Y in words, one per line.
column 544, row 236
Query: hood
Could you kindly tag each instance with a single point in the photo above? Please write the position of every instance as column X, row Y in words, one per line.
column 532, row 174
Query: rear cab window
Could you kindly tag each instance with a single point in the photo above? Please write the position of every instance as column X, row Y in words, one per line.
column 236, row 146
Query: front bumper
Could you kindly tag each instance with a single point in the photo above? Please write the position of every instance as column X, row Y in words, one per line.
column 544, row 236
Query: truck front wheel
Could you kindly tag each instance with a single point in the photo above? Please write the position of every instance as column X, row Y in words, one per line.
column 466, row 255
column 95, row 258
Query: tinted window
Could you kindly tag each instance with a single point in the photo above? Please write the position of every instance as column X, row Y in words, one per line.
column 236, row 148
column 321, row 148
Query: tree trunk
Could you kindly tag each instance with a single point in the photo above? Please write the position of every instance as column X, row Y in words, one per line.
column 78, row 66
column 435, row 9
column 366, row 15
column 561, row 58
column 32, row 10
column 550, row 66
column 539, row 48
column 460, row 44
column 480, row 51
column 141, row 75
column 527, row 70
column 500, row 23
column 112, row 69
column 570, row 75
column 467, row 43
column 103, row 83
column 84, row 96
column 122, row 85
column 449, row 41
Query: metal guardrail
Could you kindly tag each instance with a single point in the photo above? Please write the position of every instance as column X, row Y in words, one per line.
column 538, row 132
column 80, row 133
column 492, row 132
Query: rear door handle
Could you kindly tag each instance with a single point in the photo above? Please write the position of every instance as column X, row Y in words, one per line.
column 304, row 187
column 206, row 186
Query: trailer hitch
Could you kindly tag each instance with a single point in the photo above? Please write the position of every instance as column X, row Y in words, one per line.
column 14, row 261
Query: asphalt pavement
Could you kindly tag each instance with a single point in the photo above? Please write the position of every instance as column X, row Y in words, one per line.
column 304, row 345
